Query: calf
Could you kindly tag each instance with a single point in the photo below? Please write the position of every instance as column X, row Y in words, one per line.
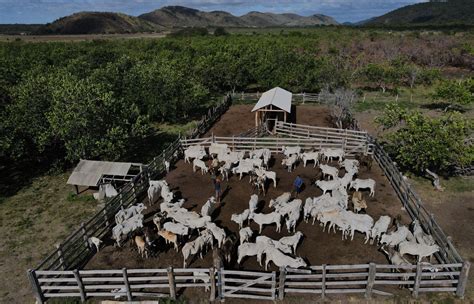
column 169, row 237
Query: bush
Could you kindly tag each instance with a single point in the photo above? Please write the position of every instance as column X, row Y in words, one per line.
column 220, row 31
column 418, row 142
column 456, row 92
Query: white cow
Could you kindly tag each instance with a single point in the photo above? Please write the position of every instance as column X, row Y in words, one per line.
column 280, row 201
column 328, row 170
column 363, row 184
column 420, row 250
column 266, row 219
column 245, row 234
column 328, row 185
column 290, row 161
column 176, row 228
column 217, row 149
column 282, row 260
column 253, row 203
column 250, row 249
column 331, row 154
column 201, row 165
column 217, row 232
column 241, row 217
column 197, row 152
column 380, row 227
column 208, row 208
column 292, row 241
column 307, row 156
column 267, row 174
column 289, row 151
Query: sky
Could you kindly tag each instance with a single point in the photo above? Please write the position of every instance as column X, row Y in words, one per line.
column 43, row 11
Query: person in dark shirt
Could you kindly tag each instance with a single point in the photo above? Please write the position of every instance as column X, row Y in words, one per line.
column 218, row 189
column 298, row 185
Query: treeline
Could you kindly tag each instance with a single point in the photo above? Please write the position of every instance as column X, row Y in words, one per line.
column 97, row 99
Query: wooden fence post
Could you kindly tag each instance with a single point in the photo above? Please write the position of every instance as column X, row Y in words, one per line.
column 127, row 284
column 60, row 255
column 37, row 292
column 281, row 283
column 323, row 282
column 416, row 286
column 220, row 293
column 274, row 287
column 80, row 285
column 462, row 281
column 212, row 281
column 370, row 280
column 106, row 220
column 171, row 283
column 85, row 237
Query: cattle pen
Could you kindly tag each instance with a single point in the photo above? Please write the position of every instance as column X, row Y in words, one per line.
column 60, row 275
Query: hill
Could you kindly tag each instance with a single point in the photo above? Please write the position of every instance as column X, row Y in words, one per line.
column 179, row 16
column 258, row 19
column 97, row 23
column 429, row 13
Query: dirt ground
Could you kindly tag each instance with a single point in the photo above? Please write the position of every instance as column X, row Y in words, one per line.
column 239, row 119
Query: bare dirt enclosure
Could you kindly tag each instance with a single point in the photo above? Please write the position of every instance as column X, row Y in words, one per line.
column 317, row 247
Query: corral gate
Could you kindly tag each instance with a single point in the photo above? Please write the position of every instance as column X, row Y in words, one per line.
column 247, row 284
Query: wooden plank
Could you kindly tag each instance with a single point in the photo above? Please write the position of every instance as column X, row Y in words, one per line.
column 245, row 273
column 395, row 274
column 347, row 267
column 235, row 280
column 243, row 289
column 394, row 282
column 295, row 290
column 355, row 290
column 438, row 289
column 248, row 284
column 347, row 275
column 434, row 282
column 303, row 276
column 61, row 295
column 344, row 283
column 248, row 296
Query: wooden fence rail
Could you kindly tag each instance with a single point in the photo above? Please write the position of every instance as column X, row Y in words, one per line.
column 130, row 284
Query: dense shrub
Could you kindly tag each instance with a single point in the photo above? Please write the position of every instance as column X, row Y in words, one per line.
column 419, row 142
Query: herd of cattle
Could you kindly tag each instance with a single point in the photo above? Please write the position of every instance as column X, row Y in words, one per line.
column 195, row 232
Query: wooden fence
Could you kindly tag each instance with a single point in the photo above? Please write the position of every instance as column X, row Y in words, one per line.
column 366, row 279
column 58, row 274
column 307, row 137
column 297, row 97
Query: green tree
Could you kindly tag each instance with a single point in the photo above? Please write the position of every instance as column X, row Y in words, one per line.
column 455, row 92
column 418, row 142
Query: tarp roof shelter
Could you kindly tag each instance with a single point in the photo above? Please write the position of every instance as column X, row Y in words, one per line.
column 277, row 97
column 89, row 172
column 276, row 100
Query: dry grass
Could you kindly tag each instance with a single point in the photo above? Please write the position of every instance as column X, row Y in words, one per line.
column 31, row 222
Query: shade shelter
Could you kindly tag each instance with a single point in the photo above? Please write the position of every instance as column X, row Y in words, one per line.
column 272, row 105
column 91, row 173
